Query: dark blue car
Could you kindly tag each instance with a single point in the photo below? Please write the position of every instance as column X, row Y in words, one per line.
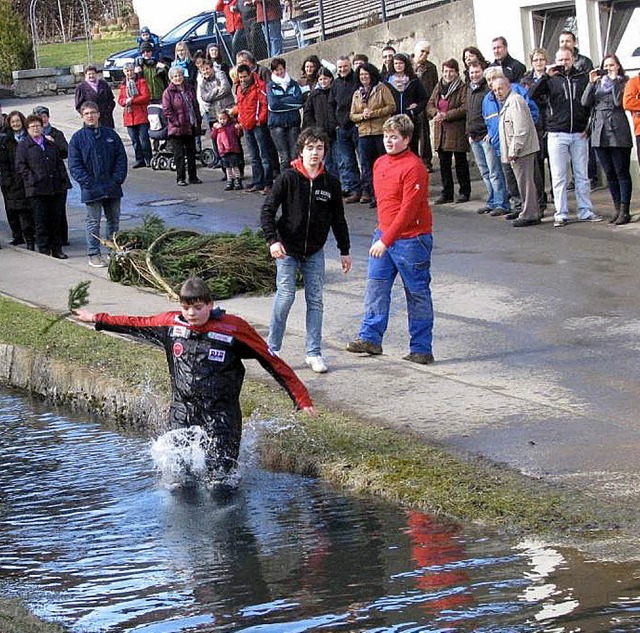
column 198, row 31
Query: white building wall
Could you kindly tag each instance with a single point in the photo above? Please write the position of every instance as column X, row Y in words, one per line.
column 162, row 15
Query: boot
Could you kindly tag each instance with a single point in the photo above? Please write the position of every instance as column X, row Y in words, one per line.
column 237, row 184
column 624, row 216
column 31, row 246
column 614, row 217
column 229, row 185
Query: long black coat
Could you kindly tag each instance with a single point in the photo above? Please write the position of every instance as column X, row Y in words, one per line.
column 42, row 171
column 610, row 126
column 104, row 99
column 10, row 182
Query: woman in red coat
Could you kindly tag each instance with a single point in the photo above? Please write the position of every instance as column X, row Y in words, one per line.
column 134, row 97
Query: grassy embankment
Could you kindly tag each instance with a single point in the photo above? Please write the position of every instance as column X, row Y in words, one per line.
column 361, row 457
column 60, row 55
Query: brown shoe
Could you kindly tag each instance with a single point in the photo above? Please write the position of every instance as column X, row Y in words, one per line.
column 352, row 198
column 360, row 346
column 421, row 359
column 365, row 198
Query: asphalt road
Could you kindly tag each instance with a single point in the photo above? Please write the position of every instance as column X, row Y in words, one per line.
column 536, row 336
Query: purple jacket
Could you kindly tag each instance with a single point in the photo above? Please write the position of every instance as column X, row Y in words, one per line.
column 175, row 106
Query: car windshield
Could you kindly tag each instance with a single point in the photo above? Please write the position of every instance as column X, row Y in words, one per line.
column 181, row 30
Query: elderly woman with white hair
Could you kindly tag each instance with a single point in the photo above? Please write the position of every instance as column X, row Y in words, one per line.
column 184, row 123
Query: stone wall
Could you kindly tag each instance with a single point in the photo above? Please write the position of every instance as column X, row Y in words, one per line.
column 82, row 389
column 36, row 82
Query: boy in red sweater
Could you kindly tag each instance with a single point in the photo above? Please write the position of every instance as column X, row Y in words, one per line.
column 401, row 244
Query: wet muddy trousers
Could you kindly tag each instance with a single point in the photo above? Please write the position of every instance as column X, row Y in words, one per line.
column 223, row 429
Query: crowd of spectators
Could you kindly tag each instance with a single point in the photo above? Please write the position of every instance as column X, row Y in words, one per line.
column 517, row 123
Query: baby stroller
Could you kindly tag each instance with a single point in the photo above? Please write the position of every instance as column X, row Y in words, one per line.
column 158, row 133
column 162, row 157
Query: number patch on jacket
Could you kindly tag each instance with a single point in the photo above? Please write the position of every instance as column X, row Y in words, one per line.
column 217, row 355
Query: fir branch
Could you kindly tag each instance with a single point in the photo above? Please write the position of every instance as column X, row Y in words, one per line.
column 78, row 298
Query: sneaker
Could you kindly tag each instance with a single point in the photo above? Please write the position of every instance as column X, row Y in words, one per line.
column 365, row 198
column 421, row 359
column 96, row 261
column 360, row 346
column 526, row 222
column 317, row 364
column 592, row 218
column 182, row 183
column 485, row 209
column 561, row 222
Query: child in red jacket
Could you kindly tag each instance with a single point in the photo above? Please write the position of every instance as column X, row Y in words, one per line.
column 226, row 135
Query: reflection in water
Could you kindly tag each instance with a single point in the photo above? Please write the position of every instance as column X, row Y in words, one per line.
column 90, row 537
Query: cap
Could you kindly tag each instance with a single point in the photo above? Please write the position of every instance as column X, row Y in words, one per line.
column 145, row 29
column 40, row 110
column 147, row 46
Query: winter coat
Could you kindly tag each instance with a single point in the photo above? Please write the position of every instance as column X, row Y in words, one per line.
column 413, row 93
column 491, row 112
column 517, row 131
column 42, row 170
column 476, row 128
column 227, row 138
column 382, row 105
column 284, row 104
column 310, row 208
column 340, row 98
column 11, row 183
column 215, row 93
column 136, row 112
column 232, row 17
column 631, row 101
column 316, row 111
column 565, row 112
column 609, row 123
column 512, row 68
column 176, row 110
column 155, row 74
column 428, row 75
column 449, row 135
column 98, row 162
column 274, row 12
column 252, row 104
column 542, row 101
column 59, row 139
column 103, row 98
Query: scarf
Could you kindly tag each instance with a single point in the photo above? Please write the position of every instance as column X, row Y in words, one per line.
column 606, row 84
column 20, row 135
column 365, row 93
column 186, row 99
column 184, row 65
column 39, row 140
column 93, row 84
column 132, row 88
column 283, row 82
column 446, row 90
column 399, row 82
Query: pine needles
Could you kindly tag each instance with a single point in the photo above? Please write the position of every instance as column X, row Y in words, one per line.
column 78, row 298
column 153, row 256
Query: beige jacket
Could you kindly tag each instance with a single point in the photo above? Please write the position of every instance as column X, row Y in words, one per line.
column 518, row 136
column 382, row 106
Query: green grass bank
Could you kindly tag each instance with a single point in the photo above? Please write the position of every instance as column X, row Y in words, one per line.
column 60, row 55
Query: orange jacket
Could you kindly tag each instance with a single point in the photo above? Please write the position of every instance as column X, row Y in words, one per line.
column 232, row 18
column 631, row 101
column 252, row 104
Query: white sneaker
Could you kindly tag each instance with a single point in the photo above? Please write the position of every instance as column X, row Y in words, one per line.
column 97, row 261
column 317, row 364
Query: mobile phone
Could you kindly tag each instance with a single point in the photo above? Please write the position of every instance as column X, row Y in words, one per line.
column 555, row 67
column 601, row 72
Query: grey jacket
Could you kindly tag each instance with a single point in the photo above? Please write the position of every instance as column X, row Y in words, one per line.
column 518, row 136
column 609, row 123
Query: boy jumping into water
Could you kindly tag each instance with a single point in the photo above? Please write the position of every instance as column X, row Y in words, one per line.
column 204, row 348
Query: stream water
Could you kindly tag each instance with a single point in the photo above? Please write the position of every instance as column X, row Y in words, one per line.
column 91, row 537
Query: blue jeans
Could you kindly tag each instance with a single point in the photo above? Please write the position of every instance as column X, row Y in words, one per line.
column 563, row 146
column 257, row 144
column 312, row 269
column 346, row 147
column 285, row 139
column 139, row 135
column 616, row 163
column 273, row 36
column 491, row 171
column 370, row 149
column 111, row 208
column 412, row 259
column 296, row 25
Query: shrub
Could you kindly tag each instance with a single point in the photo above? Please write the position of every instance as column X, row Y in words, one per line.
column 15, row 43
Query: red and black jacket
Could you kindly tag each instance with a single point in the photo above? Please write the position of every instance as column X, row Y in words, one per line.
column 205, row 362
